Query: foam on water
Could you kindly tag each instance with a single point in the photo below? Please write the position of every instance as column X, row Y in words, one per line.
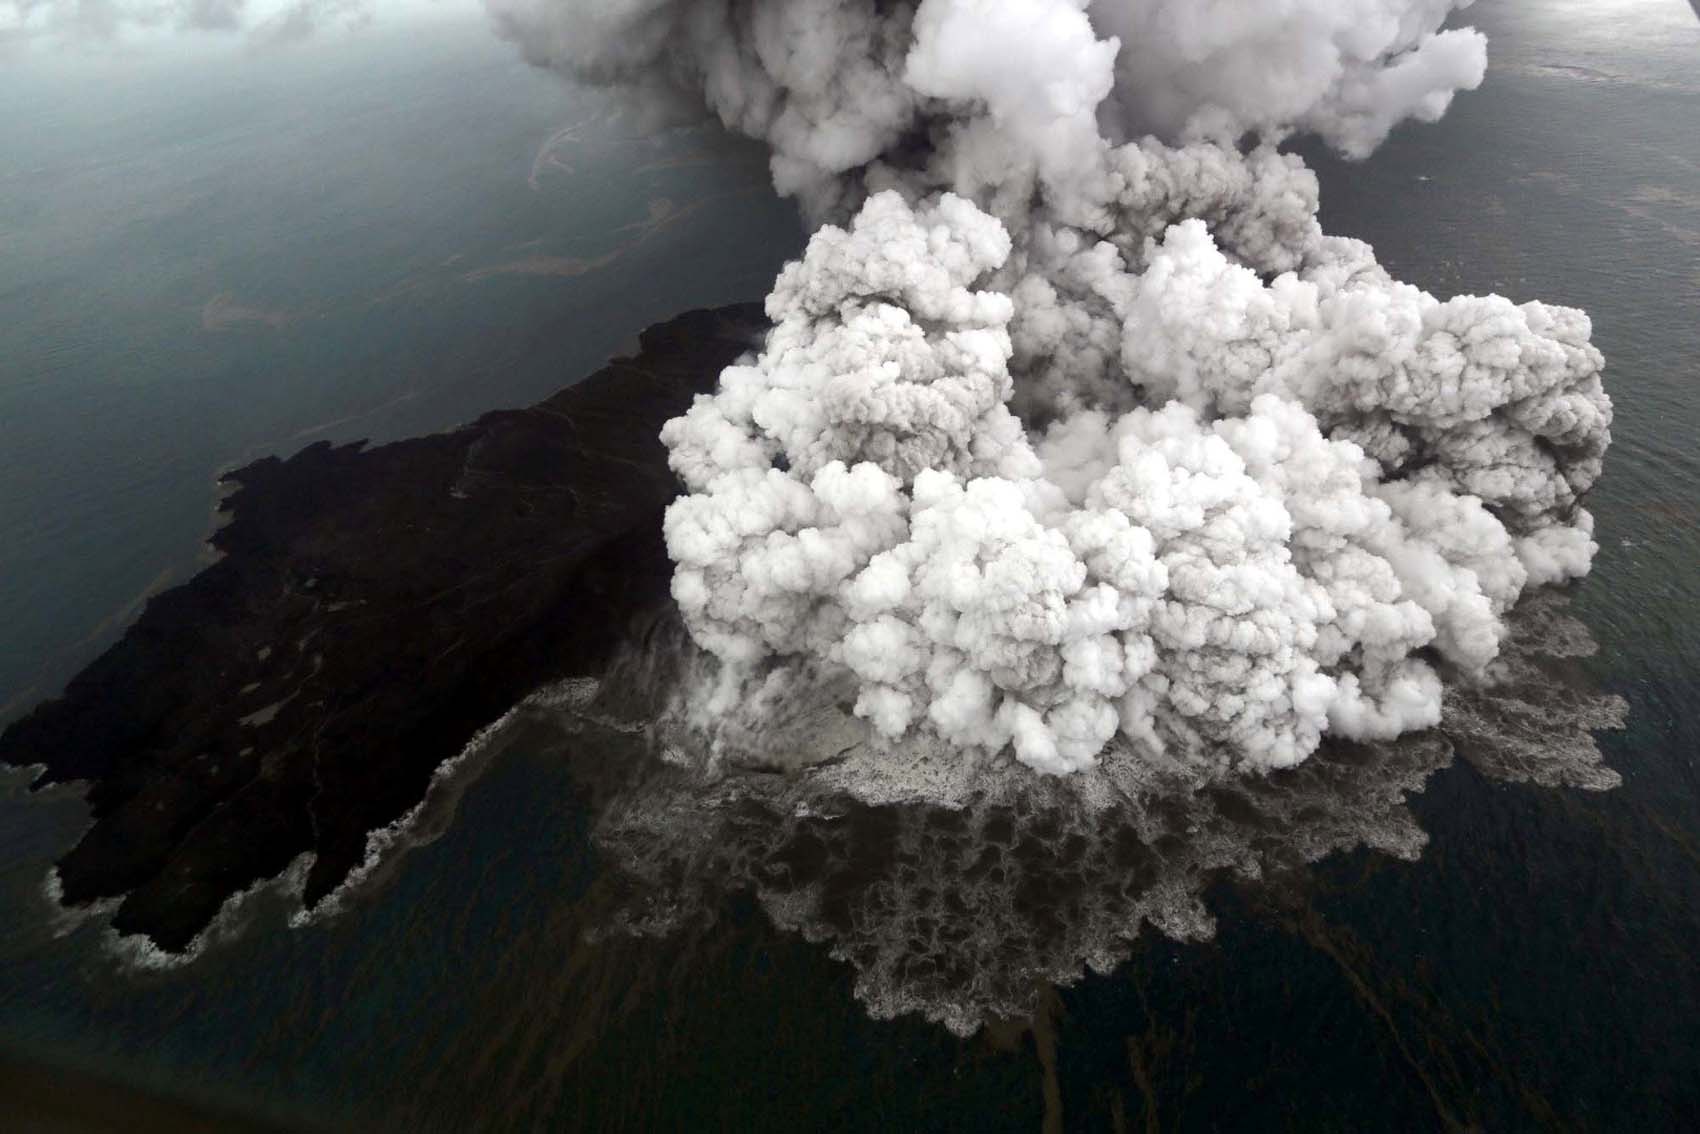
column 430, row 818
column 63, row 919
column 234, row 918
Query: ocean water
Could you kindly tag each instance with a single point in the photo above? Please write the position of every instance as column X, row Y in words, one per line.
column 1531, row 969
column 206, row 259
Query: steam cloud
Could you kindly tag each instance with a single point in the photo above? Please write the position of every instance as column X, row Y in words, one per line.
column 1074, row 429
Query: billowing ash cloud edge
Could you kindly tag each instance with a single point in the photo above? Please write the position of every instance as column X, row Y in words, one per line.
column 1074, row 428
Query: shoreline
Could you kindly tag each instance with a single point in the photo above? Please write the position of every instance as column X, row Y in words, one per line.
column 371, row 609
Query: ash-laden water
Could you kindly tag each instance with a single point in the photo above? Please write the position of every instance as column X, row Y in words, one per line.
column 958, row 894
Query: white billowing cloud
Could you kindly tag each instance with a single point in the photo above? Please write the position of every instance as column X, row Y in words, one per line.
column 1062, row 443
column 1349, row 70
column 852, row 373
column 1507, row 397
column 1216, row 576
column 1036, row 66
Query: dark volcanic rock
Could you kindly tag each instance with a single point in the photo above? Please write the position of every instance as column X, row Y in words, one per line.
column 374, row 608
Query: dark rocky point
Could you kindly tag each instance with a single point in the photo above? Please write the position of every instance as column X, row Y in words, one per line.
column 373, row 609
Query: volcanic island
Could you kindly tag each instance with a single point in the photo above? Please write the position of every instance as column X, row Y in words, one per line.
column 372, row 609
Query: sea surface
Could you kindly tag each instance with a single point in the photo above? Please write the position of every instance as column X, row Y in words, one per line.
column 176, row 295
column 206, row 259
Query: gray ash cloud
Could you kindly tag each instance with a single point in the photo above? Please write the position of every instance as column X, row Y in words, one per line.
column 1075, row 429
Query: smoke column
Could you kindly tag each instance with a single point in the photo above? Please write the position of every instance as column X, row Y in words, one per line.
column 1074, row 431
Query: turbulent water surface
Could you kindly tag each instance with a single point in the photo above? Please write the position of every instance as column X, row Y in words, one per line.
column 1481, row 940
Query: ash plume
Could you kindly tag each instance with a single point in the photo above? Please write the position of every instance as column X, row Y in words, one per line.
column 1075, row 432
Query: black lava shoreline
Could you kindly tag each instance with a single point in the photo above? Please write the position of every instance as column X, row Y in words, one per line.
column 374, row 608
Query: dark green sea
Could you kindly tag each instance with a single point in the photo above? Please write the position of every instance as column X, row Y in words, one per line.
column 366, row 244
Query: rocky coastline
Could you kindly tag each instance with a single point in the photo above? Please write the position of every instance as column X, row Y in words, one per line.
column 373, row 608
